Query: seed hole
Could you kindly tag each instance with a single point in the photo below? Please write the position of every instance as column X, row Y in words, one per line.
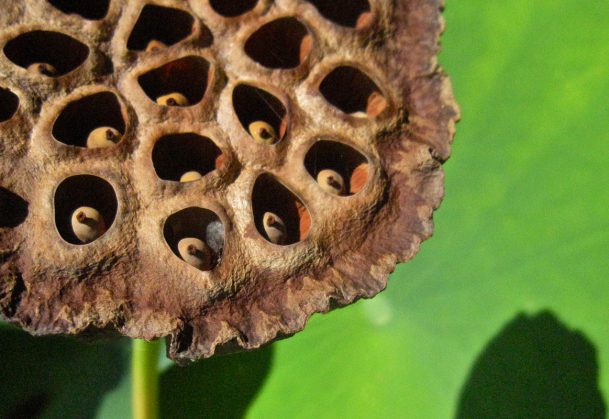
column 349, row 163
column 187, row 76
column 351, row 13
column 232, row 8
column 13, row 209
column 199, row 224
column 157, row 23
column 83, row 191
column 353, row 92
column 9, row 102
column 253, row 105
column 176, row 154
column 293, row 220
column 282, row 43
column 60, row 51
column 79, row 118
column 89, row 9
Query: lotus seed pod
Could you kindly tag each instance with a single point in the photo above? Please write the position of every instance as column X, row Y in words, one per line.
column 331, row 182
column 155, row 45
column 87, row 224
column 44, row 69
column 262, row 132
column 173, row 99
column 196, row 253
column 190, row 176
column 275, row 228
column 103, row 137
column 352, row 86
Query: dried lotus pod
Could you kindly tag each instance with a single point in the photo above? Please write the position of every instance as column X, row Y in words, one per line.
column 350, row 87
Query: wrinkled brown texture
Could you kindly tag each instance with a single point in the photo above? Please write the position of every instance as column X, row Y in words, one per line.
column 129, row 280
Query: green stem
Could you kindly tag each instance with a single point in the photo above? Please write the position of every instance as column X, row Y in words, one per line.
column 144, row 370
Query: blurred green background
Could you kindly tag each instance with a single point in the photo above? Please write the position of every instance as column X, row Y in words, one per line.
column 505, row 311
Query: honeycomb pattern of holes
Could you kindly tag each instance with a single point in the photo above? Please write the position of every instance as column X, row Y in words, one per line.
column 83, row 191
column 252, row 104
column 349, row 163
column 271, row 196
column 157, row 23
column 232, row 8
column 199, row 223
column 13, row 209
column 175, row 154
column 188, row 76
column 9, row 103
column 46, row 47
column 80, row 117
column 90, row 9
column 350, row 13
column 353, row 92
column 278, row 44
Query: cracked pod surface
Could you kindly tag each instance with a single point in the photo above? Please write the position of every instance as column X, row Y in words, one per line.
column 255, row 163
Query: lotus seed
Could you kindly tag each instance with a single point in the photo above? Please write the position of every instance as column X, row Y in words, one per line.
column 44, row 69
column 155, row 45
column 196, row 253
column 262, row 132
column 330, row 181
column 87, row 224
column 190, row 176
column 274, row 227
column 173, row 99
column 103, row 137
column 376, row 104
column 305, row 47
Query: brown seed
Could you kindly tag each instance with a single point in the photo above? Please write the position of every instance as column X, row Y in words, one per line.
column 87, row 224
column 331, row 182
column 173, row 99
column 274, row 227
column 155, row 45
column 190, row 176
column 196, row 253
column 364, row 20
column 43, row 69
column 262, row 132
column 305, row 47
column 376, row 104
column 103, row 137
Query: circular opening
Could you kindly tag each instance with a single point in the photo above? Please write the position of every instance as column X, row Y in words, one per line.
column 196, row 223
column 175, row 155
column 292, row 220
column 79, row 118
column 89, row 9
column 83, row 191
column 353, row 92
column 187, row 76
column 62, row 52
column 9, row 102
column 282, row 43
column 13, row 209
column 351, row 13
column 348, row 163
column 157, row 23
column 256, row 105
column 232, row 8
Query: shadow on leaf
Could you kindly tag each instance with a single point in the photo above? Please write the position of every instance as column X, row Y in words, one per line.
column 534, row 368
column 219, row 387
column 56, row 377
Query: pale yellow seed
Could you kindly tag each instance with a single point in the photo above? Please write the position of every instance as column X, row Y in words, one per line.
column 274, row 227
column 173, row 99
column 44, row 69
column 155, row 45
column 103, row 137
column 196, row 253
column 262, row 132
column 87, row 224
column 360, row 114
column 190, row 176
column 331, row 182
